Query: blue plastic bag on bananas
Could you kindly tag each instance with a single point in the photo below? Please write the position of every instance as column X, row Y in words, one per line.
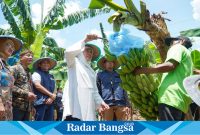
column 120, row 42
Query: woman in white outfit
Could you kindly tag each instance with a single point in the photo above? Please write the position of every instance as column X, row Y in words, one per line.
column 80, row 97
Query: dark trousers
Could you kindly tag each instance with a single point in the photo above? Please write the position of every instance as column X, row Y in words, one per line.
column 70, row 118
column 169, row 113
column 195, row 111
column 44, row 112
column 20, row 115
column 59, row 114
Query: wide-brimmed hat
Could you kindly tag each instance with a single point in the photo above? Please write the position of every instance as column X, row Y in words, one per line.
column 96, row 51
column 191, row 85
column 17, row 43
column 52, row 62
column 188, row 42
column 101, row 63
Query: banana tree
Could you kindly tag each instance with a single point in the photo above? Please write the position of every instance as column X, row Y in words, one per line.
column 153, row 25
column 18, row 15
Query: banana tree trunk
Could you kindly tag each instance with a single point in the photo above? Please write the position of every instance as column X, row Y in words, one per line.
column 157, row 30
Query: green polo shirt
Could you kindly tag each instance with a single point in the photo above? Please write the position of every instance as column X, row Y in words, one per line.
column 171, row 90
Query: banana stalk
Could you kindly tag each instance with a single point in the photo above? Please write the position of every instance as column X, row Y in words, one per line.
column 133, row 10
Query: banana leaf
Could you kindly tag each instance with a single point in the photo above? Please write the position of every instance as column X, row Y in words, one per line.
column 5, row 32
column 48, row 41
column 11, row 20
column 54, row 14
column 21, row 10
column 28, row 29
column 60, row 71
column 36, row 47
column 154, row 55
column 196, row 58
column 57, row 51
column 191, row 33
column 12, row 4
column 77, row 17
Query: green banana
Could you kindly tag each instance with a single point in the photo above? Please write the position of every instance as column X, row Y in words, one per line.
column 119, row 60
column 150, row 110
column 130, row 54
column 143, row 94
column 123, row 58
column 144, row 100
column 142, row 76
column 120, row 72
column 123, row 78
column 136, row 90
column 125, row 69
column 132, row 62
column 127, row 87
column 146, row 90
column 131, row 68
column 139, row 82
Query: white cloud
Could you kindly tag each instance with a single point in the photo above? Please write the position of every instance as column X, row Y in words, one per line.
column 5, row 26
column 71, row 7
column 59, row 38
column 48, row 4
column 196, row 9
column 36, row 13
column 196, row 43
column 36, row 10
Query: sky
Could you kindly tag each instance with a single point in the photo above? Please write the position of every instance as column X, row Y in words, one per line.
column 184, row 15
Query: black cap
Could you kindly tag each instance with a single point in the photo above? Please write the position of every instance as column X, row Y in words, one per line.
column 187, row 42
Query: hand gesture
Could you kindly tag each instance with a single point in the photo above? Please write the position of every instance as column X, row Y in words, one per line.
column 137, row 70
column 90, row 37
column 49, row 101
column 31, row 96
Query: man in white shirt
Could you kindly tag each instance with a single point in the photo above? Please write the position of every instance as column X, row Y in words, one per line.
column 81, row 97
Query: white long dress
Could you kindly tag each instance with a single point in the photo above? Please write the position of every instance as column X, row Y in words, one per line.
column 80, row 96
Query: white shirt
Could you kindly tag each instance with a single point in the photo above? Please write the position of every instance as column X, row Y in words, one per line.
column 36, row 77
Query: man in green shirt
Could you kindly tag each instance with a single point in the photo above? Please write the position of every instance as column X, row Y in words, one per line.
column 173, row 101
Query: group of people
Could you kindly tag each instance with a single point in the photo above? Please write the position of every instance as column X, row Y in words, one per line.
column 83, row 96
column 86, row 92
column 23, row 95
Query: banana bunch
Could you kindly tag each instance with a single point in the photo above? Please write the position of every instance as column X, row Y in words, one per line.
column 140, row 88
column 134, row 58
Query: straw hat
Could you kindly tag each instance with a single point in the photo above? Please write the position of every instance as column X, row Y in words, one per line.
column 191, row 85
column 17, row 43
column 101, row 63
column 53, row 62
column 96, row 51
